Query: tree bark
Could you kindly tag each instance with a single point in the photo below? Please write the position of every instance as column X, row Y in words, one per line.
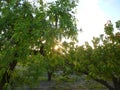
column 116, row 83
column 105, row 83
column 6, row 76
column 49, row 75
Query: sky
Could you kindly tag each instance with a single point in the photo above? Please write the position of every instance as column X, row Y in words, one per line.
column 92, row 15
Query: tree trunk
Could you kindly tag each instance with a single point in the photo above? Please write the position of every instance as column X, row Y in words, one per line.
column 6, row 76
column 115, row 86
column 111, row 88
column 49, row 75
column 116, row 82
column 105, row 83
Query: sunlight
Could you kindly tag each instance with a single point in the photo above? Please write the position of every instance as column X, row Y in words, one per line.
column 56, row 47
column 91, row 19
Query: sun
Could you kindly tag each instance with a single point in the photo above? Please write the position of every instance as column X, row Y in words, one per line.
column 56, row 47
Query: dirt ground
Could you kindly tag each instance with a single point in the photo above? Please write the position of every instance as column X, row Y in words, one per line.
column 80, row 84
column 67, row 86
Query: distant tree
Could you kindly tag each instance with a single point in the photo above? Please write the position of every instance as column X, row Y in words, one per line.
column 118, row 24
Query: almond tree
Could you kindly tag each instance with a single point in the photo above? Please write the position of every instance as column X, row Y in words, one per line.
column 101, row 61
column 27, row 30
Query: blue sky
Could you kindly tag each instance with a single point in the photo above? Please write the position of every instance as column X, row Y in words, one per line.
column 111, row 8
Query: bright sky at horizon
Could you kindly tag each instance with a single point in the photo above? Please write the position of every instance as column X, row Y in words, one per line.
column 93, row 14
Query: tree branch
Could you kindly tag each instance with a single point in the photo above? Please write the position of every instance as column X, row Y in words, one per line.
column 105, row 83
column 101, row 81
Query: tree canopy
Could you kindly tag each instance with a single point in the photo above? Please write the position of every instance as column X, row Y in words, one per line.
column 101, row 61
column 30, row 44
column 29, row 32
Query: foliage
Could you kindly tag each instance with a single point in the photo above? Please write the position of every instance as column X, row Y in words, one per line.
column 101, row 61
column 28, row 34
